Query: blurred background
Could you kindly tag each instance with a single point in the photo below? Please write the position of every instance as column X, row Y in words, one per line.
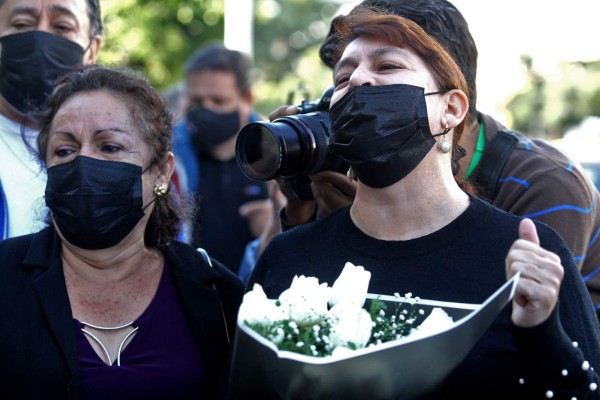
column 539, row 61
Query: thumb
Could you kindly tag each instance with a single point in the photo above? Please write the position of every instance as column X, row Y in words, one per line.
column 528, row 232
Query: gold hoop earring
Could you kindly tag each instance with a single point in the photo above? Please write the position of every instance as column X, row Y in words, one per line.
column 160, row 189
column 443, row 145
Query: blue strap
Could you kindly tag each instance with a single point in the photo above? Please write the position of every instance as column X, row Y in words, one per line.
column 3, row 214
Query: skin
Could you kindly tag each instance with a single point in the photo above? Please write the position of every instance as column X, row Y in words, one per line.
column 65, row 18
column 113, row 286
column 541, row 272
column 218, row 92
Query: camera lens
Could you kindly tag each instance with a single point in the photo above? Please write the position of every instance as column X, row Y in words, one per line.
column 257, row 152
column 289, row 147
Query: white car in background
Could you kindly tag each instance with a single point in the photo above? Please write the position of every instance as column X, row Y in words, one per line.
column 582, row 144
column 593, row 171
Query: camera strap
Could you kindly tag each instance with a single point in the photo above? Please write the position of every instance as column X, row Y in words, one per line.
column 487, row 174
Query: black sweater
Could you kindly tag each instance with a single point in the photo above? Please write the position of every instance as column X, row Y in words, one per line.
column 462, row 262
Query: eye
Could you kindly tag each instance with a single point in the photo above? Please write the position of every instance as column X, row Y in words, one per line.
column 110, row 148
column 23, row 24
column 386, row 66
column 219, row 101
column 63, row 152
column 63, row 28
column 341, row 80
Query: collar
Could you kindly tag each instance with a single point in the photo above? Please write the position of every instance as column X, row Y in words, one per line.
column 44, row 249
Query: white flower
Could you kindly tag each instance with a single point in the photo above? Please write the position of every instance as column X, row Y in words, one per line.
column 305, row 300
column 341, row 351
column 350, row 324
column 256, row 308
column 278, row 336
column 351, row 285
column 437, row 321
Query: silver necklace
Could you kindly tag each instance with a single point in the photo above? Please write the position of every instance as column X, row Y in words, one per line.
column 109, row 328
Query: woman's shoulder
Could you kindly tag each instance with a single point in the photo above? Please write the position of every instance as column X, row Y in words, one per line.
column 18, row 243
column 507, row 223
column 197, row 264
column 36, row 245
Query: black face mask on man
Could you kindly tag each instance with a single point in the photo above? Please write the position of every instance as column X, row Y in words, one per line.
column 381, row 131
column 209, row 129
column 30, row 64
column 95, row 203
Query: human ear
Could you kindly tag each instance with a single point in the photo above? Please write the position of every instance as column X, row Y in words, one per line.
column 166, row 169
column 457, row 107
column 92, row 53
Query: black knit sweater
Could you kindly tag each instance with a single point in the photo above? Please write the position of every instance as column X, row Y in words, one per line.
column 462, row 262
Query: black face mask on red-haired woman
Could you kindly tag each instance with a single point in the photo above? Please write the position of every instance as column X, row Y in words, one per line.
column 381, row 131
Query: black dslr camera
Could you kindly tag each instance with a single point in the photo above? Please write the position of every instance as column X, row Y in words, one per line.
column 292, row 147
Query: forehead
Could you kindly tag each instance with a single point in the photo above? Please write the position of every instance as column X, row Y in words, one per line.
column 366, row 46
column 93, row 109
column 77, row 8
column 368, row 49
column 212, row 82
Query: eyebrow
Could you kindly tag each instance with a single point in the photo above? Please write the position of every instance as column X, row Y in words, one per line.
column 375, row 54
column 97, row 132
column 23, row 10
column 34, row 11
column 109, row 130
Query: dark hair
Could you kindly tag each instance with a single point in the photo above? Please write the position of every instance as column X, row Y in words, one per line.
column 93, row 10
column 154, row 121
column 441, row 20
column 216, row 57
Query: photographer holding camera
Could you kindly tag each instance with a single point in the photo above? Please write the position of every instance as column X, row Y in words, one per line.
column 514, row 173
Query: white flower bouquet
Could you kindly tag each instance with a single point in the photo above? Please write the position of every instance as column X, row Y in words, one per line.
column 320, row 342
column 316, row 320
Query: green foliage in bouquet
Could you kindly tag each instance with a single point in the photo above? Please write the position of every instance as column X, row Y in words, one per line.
column 313, row 319
column 313, row 339
column 387, row 328
column 310, row 340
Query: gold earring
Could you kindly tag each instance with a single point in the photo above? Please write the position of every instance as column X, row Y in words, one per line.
column 160, row 189
column 443, row 145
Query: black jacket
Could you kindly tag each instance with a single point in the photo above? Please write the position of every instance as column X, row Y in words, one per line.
column 38, row 356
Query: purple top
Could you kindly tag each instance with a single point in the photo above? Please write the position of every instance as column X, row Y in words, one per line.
column 160, row 361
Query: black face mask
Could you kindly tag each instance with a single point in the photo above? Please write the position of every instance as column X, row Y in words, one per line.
column 381, row 131
column 95, row 203
column 209, row 129
column 30, row 64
